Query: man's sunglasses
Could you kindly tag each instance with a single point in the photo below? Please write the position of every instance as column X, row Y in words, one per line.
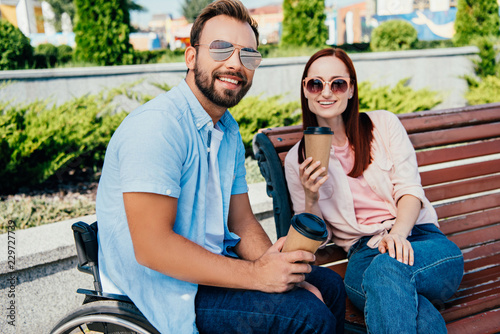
column 315, row 85
column 222, row 50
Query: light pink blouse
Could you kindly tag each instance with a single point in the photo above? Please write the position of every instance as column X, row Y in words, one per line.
column 392, row 174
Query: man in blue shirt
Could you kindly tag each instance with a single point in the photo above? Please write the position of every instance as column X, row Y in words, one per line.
column 176, row 230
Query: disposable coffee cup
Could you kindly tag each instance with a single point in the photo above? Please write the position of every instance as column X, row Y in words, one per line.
column 307, row 232
column 318, row 141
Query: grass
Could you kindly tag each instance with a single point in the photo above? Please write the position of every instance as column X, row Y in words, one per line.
column 31, row 211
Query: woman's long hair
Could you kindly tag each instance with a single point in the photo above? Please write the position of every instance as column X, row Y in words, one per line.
column 358, row 126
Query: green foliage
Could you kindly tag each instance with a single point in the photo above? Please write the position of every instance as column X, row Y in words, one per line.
column 484, row 91
column 102, row 32
column 15, row 49
column 487, row 64
column 476, row 18
column 59, row 7
column 64, row 54
column 191, row 8
column 68, row 6
column 46, row 55
column 399, row 99
column 393, row 35
column 304, row 23
column 38, row 140
column 254, row 113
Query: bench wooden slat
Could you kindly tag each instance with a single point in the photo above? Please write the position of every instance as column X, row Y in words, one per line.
column 330, row 253
column 478, row 237
column 481, row 263
column 477, row 252
column 468, row 205
column 461, row 188
column 470, row 221
column 472, row 291
column 473, row 304
column 440, row 119
column 339, row 268
column 454, row 153
column 484, row 323
column 478, row 278
column 460, row 172
column 455, row 135
column 284, row 142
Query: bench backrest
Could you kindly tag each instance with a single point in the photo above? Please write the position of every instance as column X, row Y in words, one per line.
column 458, row 152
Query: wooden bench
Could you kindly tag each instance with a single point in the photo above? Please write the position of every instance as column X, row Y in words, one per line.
column 465, row 194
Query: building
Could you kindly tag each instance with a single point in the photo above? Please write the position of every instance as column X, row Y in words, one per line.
column 269, row 18
column 27, row 15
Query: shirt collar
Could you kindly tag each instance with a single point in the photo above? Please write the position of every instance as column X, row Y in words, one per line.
column 200, row 116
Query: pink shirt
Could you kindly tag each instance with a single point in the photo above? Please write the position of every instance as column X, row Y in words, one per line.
column 392, row 174
column 368, row 206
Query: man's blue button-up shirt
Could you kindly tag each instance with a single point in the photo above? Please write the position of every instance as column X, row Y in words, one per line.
column 162, row 148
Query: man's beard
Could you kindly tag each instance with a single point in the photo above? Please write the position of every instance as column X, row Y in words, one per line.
column 228, row 98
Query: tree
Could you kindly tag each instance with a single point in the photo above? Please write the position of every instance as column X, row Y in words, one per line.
column 15, row 49
column 102, row 32
column 304, row 23
column 476, row 18
column 191, row 8
column 68, row 6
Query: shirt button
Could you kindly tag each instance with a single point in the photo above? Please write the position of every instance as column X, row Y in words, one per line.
column 208, row 149
column 197, row 125
column 169, row 192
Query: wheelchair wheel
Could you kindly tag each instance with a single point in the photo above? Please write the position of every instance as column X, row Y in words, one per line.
column 105, row 316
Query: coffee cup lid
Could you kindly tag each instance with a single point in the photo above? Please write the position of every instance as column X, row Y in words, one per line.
column 318, row 130
column 310, row 226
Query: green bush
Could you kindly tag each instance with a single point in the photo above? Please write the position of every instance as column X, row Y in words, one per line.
column 102, row 31
column 15, row 49
column 393, row 35
column 64, row 54
column 484, row 91
column 486, row 65
column 399, row 99
column 477, row 18
column 38, row 140
column 304, row 23
column 45, row 55
column 254, row 113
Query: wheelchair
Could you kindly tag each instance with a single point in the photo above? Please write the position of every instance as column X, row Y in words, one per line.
column 100, row 312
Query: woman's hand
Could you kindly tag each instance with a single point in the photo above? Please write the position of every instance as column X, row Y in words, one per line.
column 398, row 246
column 311, row 180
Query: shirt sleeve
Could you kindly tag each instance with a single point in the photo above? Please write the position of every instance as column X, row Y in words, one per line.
column 151, row 153
column 405, row 176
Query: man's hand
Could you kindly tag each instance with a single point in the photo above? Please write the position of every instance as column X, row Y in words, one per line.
column 280, row 272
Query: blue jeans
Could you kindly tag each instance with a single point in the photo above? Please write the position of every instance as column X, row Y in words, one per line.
column 398, row 298
column 220, row 310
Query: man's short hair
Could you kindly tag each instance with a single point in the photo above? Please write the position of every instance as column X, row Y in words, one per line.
column 231, row 8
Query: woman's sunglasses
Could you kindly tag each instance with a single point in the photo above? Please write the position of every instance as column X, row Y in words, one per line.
column 315, row 85
column 222, row 50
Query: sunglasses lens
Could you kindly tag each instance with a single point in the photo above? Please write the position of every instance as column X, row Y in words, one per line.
column 221, row 50
column 250, row 58
column 339, row 86
column 314, row 86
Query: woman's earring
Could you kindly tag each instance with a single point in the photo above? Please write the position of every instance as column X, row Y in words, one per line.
column 350, row 96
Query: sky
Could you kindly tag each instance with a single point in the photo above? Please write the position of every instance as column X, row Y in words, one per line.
column 174, row 7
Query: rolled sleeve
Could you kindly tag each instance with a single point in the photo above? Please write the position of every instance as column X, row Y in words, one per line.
column 239, row 183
